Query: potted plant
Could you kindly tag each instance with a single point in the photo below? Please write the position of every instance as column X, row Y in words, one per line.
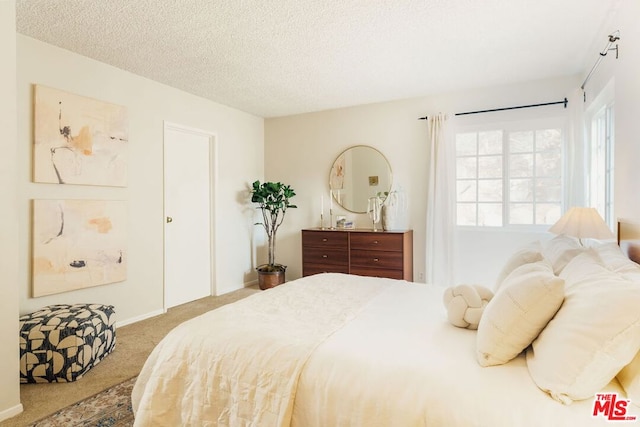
column 273, row 200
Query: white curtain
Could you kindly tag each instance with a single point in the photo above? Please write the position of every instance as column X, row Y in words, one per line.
column 577, row 164
column 441, row 185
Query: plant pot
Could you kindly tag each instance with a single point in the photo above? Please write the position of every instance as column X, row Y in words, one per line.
column 270, row 276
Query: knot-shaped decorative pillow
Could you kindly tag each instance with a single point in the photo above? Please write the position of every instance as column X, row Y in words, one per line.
column 465, row 304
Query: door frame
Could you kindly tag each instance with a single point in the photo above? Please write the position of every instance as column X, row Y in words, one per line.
column 213, row 192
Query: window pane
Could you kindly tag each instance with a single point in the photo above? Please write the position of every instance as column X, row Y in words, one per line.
column 547, row 213
column 466, row 144
column 490, row 190
column 532, row 172
column 549, row 139
column 466, row 214
column 490, row 214
column 549, row 190
column 521, row 142
column 548, row 164
column 602, row 159
column 490, row 167
column 490, row 142
column 521, row 165
column 466, row 167
column 521, row 213
column 466, row 191
column 521, row 190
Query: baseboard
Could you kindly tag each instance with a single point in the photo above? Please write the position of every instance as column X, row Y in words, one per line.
column 251, row 283
column 161, row 311
column 139, row 318
column 11, row 412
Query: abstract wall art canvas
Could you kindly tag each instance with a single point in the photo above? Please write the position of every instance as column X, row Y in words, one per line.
column 78, row 244
column 78, row 140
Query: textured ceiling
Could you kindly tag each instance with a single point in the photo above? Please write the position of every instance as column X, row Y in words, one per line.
column 281, row 57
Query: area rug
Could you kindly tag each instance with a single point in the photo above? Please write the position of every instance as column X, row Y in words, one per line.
column 109, row 408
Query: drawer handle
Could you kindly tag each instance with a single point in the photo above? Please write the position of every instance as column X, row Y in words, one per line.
column 375, row 242
column 375, row 260
column 325, row 256
column 324, row 240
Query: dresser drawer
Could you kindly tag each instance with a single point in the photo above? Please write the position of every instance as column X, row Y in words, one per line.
column 377, row 272
column 376, row 259
column 325, row 239
column 377, row 241
column 309, row 269
column 311, row 255
column 360, row 252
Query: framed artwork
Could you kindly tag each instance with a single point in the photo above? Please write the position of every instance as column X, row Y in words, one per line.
column 78, row 244
column 336, row 176
column 78, row 140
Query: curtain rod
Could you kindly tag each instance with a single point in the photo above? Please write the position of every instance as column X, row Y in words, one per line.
column 612, row 39
column 565, row 102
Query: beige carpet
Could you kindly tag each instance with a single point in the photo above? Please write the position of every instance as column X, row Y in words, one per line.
column 133, row 344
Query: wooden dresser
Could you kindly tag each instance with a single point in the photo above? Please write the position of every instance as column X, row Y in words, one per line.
column 362, row 252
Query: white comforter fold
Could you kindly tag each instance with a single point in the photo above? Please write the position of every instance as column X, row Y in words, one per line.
column 239, row 365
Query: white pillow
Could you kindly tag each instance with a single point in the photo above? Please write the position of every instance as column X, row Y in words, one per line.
column 465, row 304
column 631, row 275
column 591, row 261
column 525, row 255
column 629, row 378
column 611, row 255
column 592, row 337
column 526, row 301
column 614, row 259
column 582, row 266
column 560, row 250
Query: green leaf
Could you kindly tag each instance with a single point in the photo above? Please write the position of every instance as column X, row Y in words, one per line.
column 273, row 199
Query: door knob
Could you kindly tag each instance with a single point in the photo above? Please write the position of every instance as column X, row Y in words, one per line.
column 169, row 219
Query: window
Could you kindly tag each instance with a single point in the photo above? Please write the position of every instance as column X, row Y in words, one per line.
column 601, row 173
column 509, row 177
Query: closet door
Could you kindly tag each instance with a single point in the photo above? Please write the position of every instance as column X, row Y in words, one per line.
column 188, row 215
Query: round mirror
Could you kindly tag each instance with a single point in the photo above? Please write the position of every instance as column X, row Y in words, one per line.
column 359, row 172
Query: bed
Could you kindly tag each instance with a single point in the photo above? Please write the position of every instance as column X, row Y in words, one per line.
column 343, row 350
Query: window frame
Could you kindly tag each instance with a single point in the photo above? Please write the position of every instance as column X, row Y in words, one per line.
column 509, row 126
column 605, row 113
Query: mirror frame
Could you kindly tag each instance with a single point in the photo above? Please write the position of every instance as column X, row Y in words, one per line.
column 333, row 190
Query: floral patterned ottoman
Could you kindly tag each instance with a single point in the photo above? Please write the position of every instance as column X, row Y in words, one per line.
column 60, row 343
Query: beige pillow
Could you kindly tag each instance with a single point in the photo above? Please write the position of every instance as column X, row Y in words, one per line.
column 526, row 301
column 525, row 255
column 591, row 338
column 560, row 250
column 629, row 378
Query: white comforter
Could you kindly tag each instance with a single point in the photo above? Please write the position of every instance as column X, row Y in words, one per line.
column 335, row 350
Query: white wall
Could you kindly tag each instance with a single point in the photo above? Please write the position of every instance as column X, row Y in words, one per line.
column 240, row 157
column 9, row 241
column 299, row 150
column 624, row 73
